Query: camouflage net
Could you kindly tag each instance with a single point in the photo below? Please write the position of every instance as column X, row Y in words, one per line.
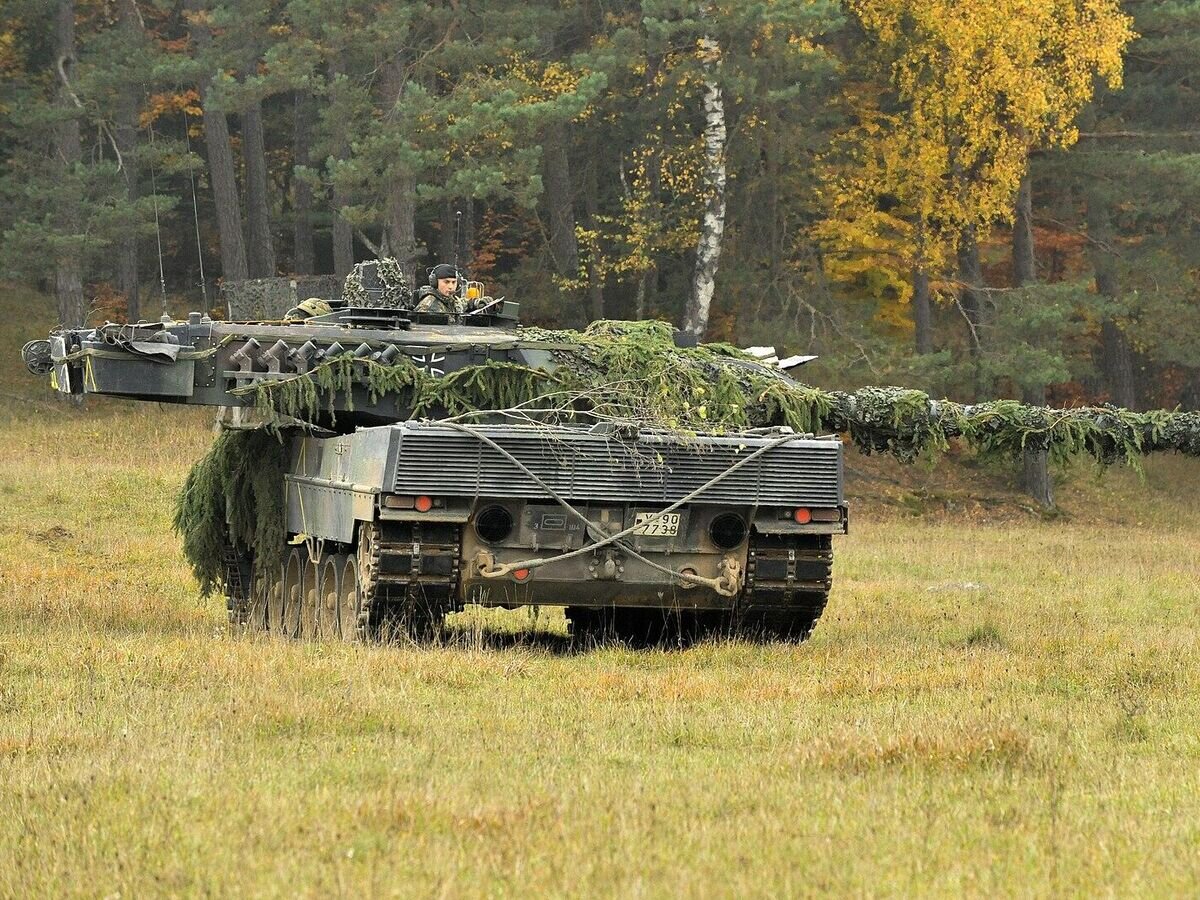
column 239, row 479
column 378, row 283
column 632, row 372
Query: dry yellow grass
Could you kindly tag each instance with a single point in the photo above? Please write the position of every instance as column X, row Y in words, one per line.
column 1001, row 707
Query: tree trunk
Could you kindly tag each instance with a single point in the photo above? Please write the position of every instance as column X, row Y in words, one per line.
column 647, row 289
column 1023, row 261
column 559, row 199
column 402, row 184
column 1189, row 397
column 402, row 228
column 225, row 194
column 773, row 155
column 342, row 231
column 302, row 196
column 922, row 310
column 642, row 298
column 261, row 248
column 1035, row 475
column 970, row 274
column 125, row 134
column 1116, row 354
column 712, row 225
column 68, row 148
column 343, row 236
column 467, row 238
column 220, row 162
column 1117, row 357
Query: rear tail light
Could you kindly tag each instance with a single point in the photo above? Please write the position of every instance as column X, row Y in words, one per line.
column 420, row 503
column 802, row 515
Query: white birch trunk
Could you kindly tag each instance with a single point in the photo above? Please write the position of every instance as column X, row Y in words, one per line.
column 712, row 226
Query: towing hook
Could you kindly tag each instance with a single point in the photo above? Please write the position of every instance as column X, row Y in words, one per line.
column 729, row 582
column 609, row 569
column 485, row 564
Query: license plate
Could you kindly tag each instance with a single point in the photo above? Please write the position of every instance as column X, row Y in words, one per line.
column 662, row 526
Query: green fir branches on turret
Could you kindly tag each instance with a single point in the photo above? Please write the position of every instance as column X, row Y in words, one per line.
column 632, row 373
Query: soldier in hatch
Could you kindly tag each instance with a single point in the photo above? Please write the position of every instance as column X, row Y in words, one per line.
column 441, row 294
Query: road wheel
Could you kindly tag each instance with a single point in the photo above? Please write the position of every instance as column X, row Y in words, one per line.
column 348, row 599
column 276, row 600
column 261, row 587
column 293, row 592
column 331, row 579
column 310, row 609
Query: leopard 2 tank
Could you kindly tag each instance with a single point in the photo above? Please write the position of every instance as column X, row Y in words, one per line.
column 393, row 510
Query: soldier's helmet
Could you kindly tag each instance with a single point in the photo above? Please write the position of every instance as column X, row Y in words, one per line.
column 313, row 306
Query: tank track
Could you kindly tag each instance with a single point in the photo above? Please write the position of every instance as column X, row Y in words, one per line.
column 408, row 577
column 237, row 586
column 788, row 578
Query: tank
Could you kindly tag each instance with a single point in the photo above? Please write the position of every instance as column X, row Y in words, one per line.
column 391, row 506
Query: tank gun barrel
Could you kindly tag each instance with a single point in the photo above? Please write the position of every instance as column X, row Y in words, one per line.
column 905, row 422
column 342, row 370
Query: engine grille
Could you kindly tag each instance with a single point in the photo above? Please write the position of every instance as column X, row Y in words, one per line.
column 581, row 465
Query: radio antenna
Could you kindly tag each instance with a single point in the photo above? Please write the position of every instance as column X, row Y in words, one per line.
column 457, row 240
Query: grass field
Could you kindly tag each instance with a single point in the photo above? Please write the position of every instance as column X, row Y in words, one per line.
column 994, row 704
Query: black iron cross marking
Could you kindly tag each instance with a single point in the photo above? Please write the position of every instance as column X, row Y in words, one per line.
column 428, row 364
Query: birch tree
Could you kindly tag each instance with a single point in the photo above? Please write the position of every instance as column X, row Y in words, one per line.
column 712, row 225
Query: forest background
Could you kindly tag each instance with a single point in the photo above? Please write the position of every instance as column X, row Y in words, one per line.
column 979, row 200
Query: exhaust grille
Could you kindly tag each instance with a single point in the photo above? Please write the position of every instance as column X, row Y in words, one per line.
column 582, row 465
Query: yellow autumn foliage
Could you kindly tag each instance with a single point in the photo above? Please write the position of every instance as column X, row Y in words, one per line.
column 958, row 93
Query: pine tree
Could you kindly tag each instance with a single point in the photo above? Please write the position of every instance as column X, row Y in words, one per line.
column 73, row 201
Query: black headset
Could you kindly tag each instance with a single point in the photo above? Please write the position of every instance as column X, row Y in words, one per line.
column 433, row 280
